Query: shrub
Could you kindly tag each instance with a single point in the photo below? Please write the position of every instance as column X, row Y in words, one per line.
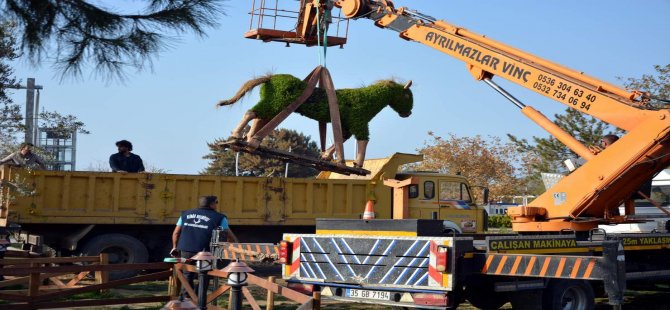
column 500, row 221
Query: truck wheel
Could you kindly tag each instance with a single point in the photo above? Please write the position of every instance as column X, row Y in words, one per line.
column 122, row 249
column 569, row 295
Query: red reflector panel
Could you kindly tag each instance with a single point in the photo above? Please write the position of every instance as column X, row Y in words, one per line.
column 425, row 299
column 441, row 259
column 285, row 251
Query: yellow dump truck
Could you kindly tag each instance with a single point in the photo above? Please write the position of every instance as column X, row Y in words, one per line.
column 131, row 215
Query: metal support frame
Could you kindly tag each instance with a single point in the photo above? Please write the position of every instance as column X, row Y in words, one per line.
column 322, row 76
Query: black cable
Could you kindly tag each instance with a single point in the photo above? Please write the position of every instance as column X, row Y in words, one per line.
column 659, row 99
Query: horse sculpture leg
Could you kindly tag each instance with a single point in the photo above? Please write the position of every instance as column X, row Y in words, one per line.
column 255, row 126
column 362, row 145
column 328, row 153
column 237, row 132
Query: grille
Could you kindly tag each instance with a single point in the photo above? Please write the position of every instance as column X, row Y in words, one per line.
column 385, row 262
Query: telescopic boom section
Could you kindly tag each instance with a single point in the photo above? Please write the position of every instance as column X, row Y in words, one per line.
column 485, row 58
column 591, row 194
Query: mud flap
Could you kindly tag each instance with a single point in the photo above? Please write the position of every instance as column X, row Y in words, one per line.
column 614, row 278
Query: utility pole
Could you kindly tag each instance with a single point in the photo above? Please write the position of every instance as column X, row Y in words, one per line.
column 32, row 108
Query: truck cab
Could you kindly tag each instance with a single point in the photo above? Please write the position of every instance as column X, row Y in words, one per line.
column 431, row 195
column 443, row 196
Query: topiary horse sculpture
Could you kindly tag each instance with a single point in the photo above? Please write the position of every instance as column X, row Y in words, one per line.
column 357, row 106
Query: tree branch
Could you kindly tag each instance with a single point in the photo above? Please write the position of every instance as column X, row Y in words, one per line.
column 112, row 42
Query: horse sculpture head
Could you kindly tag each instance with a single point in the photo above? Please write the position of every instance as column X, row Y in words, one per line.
column 402, row 100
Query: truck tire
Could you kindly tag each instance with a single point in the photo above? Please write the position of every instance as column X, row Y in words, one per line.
column 122, row 249
column 569, row 295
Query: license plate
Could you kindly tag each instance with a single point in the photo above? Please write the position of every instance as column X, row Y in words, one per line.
column 379, row 295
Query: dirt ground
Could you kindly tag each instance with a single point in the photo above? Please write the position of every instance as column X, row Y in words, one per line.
column 634, row 300
column 647, row 300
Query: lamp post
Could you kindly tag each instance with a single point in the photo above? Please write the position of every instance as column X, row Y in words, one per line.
column 4, row 244
column 237, row 278
column 203, row 263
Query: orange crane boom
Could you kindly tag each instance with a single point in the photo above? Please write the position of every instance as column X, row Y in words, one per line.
column 589, row 195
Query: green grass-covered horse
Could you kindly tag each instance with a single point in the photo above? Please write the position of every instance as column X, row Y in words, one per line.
column 357, row 105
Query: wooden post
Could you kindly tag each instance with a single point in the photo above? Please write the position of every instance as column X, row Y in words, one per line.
column 216, row 286
column 102, row 276
column 34, row 281
column 316, row 303
column 270, row 304
column 174, row 284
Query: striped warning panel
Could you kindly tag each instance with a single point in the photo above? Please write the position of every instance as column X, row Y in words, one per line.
column 293, row 269
column 249, row 252
column 547, row 266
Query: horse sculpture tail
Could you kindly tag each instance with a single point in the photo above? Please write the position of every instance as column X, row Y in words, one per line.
column 247, row 87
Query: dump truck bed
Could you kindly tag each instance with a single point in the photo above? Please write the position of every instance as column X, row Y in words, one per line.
column 145, row 198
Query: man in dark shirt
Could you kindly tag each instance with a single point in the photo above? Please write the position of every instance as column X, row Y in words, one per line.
column 193, row 232
column 24, row 157
column 124, row 160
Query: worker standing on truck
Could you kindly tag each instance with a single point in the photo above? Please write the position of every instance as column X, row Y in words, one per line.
column 24, row 157
column 607, row 140
column 125, row 160
column 193, row 232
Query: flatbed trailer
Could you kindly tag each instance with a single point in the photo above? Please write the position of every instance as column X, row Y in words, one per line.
column 417, row 263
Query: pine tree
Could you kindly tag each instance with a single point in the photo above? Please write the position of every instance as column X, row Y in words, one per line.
column 77, row 31
column 223, row 162
column 658, row 86
column 11, row 121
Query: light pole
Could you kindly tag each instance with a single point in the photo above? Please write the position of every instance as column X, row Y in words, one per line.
column 203, row 263
column 237, row 278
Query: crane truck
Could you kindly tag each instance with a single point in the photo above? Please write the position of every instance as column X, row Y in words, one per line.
column 558, row 258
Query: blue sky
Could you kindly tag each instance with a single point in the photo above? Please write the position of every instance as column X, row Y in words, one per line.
column 169, row 113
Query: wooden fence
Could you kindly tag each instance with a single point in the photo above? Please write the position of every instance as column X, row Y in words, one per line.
column 50, row 279
column 46, row 282
column 305, row 302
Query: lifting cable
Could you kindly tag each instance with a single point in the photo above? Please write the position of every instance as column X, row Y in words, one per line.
column 659, row 99
column 322, row 36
